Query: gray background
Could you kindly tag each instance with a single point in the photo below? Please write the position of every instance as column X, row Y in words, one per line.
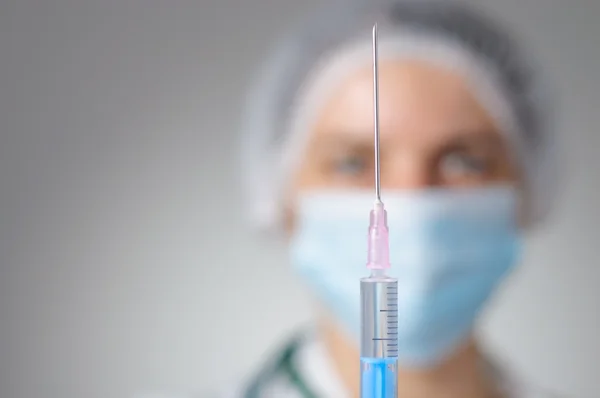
column 119, row 201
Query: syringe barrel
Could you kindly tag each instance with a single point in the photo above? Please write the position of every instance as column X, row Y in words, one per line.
column 379, row 336
column 379, row 317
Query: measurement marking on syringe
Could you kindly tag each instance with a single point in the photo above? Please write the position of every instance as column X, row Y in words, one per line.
column 382, row 339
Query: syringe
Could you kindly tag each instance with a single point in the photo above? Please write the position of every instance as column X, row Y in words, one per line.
column 378, row 292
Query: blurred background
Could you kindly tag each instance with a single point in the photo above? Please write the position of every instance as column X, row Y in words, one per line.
column 125, row 265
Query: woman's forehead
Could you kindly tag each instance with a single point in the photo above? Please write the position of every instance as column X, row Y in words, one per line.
column 414, row 96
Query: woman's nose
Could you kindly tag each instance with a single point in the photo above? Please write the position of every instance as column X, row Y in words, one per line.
column 406, row 173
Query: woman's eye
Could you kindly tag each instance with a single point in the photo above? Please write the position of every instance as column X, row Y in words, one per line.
column 457, row 165
column 350, row 165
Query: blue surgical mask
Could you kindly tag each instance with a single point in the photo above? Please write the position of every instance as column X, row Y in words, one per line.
column 449, row 250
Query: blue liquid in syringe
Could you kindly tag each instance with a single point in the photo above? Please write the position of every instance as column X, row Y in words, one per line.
column 379, row 377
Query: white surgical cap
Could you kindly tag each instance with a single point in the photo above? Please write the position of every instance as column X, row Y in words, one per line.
column 297, row 79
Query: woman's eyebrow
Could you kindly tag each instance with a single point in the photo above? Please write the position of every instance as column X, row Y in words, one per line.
column 475, row 138
column 346, row 141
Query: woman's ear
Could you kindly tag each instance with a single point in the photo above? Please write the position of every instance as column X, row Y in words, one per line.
column 288, row 219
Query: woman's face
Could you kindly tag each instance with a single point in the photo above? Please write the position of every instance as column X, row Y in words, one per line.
column 434, row 133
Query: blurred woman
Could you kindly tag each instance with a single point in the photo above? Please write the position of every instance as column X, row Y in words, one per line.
column 466, row 168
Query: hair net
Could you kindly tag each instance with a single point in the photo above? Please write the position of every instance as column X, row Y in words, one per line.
column 297, row 74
